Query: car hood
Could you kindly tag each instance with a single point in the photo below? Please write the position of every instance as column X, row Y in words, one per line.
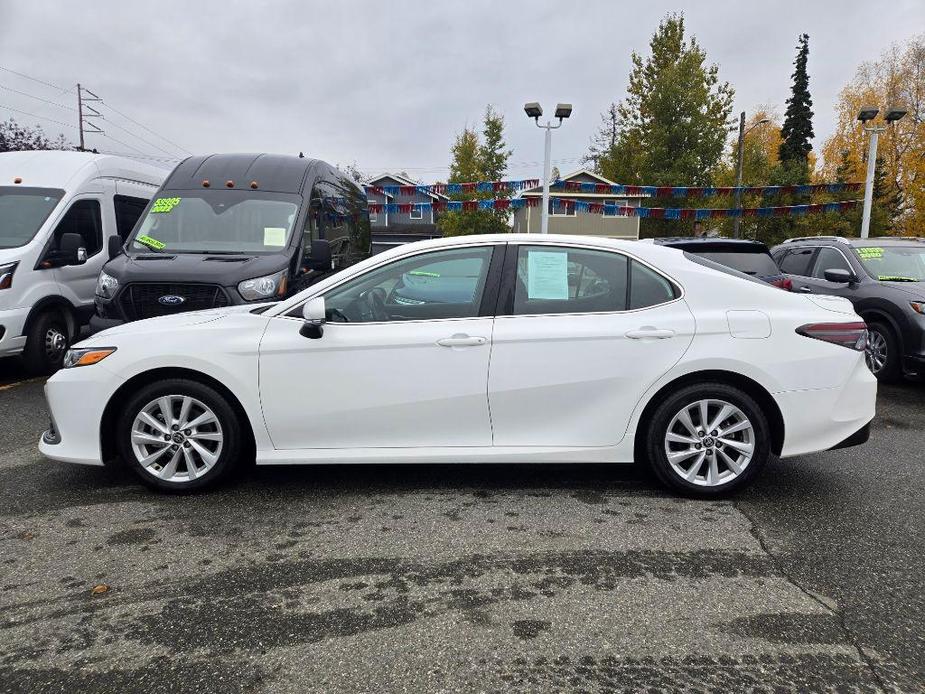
column 164, row 323
column 226, row 270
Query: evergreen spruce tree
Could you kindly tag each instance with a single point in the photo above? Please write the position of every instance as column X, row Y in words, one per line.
column 797, row 131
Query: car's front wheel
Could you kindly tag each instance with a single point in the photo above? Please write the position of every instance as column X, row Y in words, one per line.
column 882, row 352
column 708, row 439
column 179, row 435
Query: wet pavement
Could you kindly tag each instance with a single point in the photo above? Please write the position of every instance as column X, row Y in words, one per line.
column 465, row 578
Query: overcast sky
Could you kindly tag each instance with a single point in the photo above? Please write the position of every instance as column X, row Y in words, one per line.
column 387, row 84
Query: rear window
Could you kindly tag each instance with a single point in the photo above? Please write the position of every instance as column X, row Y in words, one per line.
column 751, row 263
column 725, row 269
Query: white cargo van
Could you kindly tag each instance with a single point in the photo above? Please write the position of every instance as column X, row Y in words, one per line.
column 59, row 212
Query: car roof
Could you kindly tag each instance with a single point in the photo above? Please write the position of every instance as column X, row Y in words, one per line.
column 855, row 242
column 712, row 243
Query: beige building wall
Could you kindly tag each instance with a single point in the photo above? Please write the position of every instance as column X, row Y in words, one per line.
column 527, row 220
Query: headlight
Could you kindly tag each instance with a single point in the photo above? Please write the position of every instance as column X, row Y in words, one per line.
column 6, row 275
column 106, row 286
column 85, row 356
column 264, row 287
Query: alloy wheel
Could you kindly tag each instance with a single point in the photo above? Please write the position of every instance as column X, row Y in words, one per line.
column 876, row 351
column 176, row 438
column 709, row 442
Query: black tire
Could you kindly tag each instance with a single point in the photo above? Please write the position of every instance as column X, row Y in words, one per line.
column 655, row 445
column 892, row 369
column 228, row 425
column 47, row 341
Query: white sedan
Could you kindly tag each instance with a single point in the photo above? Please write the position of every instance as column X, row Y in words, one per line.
column 508, row 348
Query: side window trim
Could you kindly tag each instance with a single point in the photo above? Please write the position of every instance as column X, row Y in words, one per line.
column 508, row 281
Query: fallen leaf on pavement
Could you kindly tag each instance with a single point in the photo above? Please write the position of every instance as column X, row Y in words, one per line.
column 99, row 589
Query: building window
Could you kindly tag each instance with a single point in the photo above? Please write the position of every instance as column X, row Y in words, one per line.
column 373, row 216
column 417, row 212
column 560, row 210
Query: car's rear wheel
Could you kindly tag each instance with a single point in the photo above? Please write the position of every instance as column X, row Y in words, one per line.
column 708, row 439
column 179, row 435
column 882, row 352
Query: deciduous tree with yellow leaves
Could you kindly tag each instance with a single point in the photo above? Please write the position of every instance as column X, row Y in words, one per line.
column 896, row 78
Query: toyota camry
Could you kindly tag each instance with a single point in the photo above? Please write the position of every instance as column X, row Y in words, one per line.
column 509, row 348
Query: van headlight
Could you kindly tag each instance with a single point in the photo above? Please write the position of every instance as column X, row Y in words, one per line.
column 264, row 287
column 106, row 286
column 6, row 275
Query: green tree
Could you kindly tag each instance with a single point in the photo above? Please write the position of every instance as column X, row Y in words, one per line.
column 476, row 158
column 797, row 131
column 671, row 128
column 15, row 137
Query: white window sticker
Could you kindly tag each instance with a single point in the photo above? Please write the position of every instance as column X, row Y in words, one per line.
column 547, row 275
column 274, row 236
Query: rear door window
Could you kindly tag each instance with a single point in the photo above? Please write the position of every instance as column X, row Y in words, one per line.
column 796, row 261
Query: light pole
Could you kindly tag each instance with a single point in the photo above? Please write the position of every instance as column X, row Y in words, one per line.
column 866, row 114
column 738, row 195
column 534, row 111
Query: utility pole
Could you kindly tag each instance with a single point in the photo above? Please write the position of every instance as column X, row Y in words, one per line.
column 85, row 112
column 738, row 195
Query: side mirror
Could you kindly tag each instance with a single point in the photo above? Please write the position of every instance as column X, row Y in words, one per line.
column 314, row 317
column 320, row 256
column 70, row 251
column 115, row 246
column 840, row 276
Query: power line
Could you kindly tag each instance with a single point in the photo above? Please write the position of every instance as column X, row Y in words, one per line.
column 34, row 79
column 137, row 137
column 37, row 98
column 119, row 142
column 32, row 115
column 146, row 128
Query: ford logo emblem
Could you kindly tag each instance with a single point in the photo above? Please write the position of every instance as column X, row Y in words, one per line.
column 171, row 300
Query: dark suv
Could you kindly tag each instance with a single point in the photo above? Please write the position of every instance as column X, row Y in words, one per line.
column 885, row 280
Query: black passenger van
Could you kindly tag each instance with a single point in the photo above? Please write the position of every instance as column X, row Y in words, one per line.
column 231, row 229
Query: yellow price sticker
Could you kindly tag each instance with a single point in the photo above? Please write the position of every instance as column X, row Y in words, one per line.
column 164, row 205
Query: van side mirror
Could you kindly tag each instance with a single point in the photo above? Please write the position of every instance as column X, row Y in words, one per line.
column 115, row 246
column 314, row 316
column 70, row 251
column 320, row 256
column 840, row 275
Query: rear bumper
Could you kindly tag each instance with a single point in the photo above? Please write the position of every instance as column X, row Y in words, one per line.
column 820, row 420
column 856, row 439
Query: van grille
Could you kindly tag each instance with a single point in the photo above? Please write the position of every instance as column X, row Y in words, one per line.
column 141, row 300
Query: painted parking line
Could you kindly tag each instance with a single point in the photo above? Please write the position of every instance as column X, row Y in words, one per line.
column 9, row 386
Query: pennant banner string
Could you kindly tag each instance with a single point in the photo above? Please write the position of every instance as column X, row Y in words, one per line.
column 701, row 191
column 454, row 188
column 611, row 209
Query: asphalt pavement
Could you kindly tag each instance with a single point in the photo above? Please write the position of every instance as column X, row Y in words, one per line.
column 446, row 578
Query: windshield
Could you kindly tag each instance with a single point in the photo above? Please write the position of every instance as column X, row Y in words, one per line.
column 760, row 264
column 217, row 221
column 894, row 263
column 23, row 211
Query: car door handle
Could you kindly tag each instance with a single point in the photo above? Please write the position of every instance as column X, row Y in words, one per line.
column 461, row 340
column 805, row 289
column 647, row 332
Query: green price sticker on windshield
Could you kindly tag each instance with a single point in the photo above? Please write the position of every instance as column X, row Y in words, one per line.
column 154, row 244
column 163, row 205
column 869, row 253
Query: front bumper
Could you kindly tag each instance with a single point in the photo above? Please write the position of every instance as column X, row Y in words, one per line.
column 98, row 323
column 76, row 400
column 12, row 325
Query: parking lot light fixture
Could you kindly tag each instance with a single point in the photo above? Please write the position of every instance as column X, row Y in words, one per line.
column 534, row 111
column 865, row 115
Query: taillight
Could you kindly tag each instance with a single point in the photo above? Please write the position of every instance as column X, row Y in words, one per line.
column 784, row 283
column 850, row 335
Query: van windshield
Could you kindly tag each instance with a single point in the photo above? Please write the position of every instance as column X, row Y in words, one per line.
column 217, row 221
column 23, row 211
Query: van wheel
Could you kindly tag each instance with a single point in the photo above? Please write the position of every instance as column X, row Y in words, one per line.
column 882, row 352
column 179, row 436
column 708, row 439
column 47, row 340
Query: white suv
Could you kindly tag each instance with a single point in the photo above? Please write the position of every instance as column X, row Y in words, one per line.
column 61, row 216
